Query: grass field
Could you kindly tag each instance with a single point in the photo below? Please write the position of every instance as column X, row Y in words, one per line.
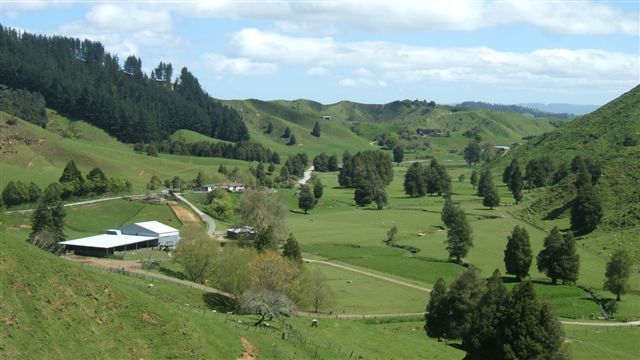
column 40, row 155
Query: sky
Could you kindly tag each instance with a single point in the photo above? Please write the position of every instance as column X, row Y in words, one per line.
column 578, row 52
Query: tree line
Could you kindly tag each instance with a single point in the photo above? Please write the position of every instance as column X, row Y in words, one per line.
column 81, row 80
column 240, row 150
column 325, row 163
column 421, row 180
column 368, row 172
column 71, row 183
column 28, row 106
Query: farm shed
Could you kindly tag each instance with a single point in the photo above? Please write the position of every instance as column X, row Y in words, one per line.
column 129, row 237
column 108, row 243
column 244, row 231
column 167, row 236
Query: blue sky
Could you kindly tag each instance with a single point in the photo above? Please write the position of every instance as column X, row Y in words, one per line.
column 580, row 52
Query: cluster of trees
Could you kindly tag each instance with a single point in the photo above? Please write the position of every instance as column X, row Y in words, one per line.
column 47, row 221
column 323, row 162
column 71, row 183
column 29, row 106
column 492, row 322
column 369, row 172
column 559, row 259
column 240, row 151
column 265, row 283
column 219, row 205
column 545, row 170
column 295, row 166
column 587, row 211
column 512, row 177
column 285, row 135
column 433, row 179
column 474, row 152
column 267, row 215
column 459, row 237
column 81, row 80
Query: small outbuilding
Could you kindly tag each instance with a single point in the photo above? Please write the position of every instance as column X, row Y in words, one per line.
column 243, row 232
column 208, row 187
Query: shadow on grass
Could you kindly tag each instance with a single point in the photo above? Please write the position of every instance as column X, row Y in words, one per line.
column 172, row 273
column 557, row 212
column 220, row 302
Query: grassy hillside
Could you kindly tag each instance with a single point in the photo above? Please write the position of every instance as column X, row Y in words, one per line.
column 353, row 125
column 190, row 136
column 599, row 135
column 31, row 153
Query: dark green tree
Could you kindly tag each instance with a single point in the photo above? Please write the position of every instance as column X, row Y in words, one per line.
column 437, row 179
column 201, row 179
column 15, row 193
column 518, row 255
column 485, row 182
column 271, row 169
column 448, row 212
column 491, row 197
column 474, row 178
column 316, row 130
column 618, row 272
column 587, row 211
column 98, row 180
column 306, row 201
column 392, row 235
column 292, row 140
column 481, row 341
column 318, row 189
column 152, row 150
column 528, row 329
column 516, row 184
column 49, row 215
column 471, row 153
column 34, row 192
column 414, row 181
column 437, row 314
column 459, row 239
column 569, row 259
column 462, row 301
column 261, row 176
column 548, row 259
column 287, row 132
column 269, row 128
column 398, row 154
column 333, row 163
column 291, row 249
column 73, row 178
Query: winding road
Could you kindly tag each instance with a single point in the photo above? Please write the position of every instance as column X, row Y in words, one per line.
column 211, row 224
column 306, row 176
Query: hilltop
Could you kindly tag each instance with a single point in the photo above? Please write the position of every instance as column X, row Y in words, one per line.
column 351, row 126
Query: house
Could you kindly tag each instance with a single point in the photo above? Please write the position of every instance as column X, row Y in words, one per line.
column 129, row 237
column 208, row 187
column 231, row 186
column 245, row 231
column 326, row 117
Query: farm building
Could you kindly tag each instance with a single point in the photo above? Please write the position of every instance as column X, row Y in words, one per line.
column 208, row 187
column 326, row 117
column 231, row 186
column 129, row 237
column 244, row 231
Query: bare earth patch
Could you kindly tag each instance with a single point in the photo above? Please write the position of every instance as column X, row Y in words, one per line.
column 148, row 318
column 184, row 215
column 249, row 352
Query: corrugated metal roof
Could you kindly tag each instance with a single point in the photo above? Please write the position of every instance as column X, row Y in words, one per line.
column 157, row 227
column 106, row 241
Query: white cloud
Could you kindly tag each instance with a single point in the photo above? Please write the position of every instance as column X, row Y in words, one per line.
column 390, row 62
column 568, row 17
column 124, row 30
column 221, row 65
column 317, row 71
column 362, row 82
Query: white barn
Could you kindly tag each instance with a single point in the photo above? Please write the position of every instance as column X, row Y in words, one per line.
column 167, row 236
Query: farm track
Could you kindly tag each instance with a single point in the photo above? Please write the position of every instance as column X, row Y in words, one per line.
column 134, row 267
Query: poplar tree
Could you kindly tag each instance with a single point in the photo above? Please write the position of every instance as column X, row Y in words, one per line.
column 49, row 215
column 473, row 179
column 448, row 212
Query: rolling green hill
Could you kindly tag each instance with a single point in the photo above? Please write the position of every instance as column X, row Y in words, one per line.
column 599, row 135
column 354, row 125
column 31, row 153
